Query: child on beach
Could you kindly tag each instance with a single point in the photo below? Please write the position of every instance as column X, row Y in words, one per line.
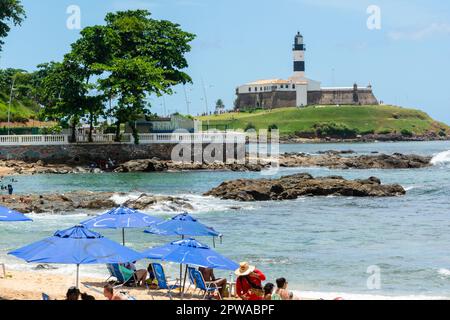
column 268, row 290
column 282, row 293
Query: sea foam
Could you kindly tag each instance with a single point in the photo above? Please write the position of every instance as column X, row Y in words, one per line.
column 441, row 158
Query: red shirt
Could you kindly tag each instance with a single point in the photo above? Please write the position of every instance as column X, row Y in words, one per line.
column 243, row 287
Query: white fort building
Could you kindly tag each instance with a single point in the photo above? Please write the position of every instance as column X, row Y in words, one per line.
column 298, row 90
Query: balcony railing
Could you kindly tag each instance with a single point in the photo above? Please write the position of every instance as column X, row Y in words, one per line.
column 144, row 138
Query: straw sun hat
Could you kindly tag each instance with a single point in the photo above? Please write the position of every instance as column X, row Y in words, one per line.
column 244, row 269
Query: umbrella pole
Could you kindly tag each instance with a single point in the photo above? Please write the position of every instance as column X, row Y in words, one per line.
column 123, row 236
column 214, row 242
column 78, row 275
column 184, row 282
column 181, row 272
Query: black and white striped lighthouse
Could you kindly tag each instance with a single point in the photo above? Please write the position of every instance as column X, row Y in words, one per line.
column 299, row 56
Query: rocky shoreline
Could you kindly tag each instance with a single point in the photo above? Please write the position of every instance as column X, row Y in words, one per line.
column 331, row 159
column 85, row 200
column 303, row 184
column 338, row 160
column 305, row 138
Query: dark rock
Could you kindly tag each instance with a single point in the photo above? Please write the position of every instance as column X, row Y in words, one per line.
column 294, row 186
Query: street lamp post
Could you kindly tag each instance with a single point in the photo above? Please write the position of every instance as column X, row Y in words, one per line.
column 9, row 105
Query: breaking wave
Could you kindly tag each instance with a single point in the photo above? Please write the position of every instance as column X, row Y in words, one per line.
column 441, row 158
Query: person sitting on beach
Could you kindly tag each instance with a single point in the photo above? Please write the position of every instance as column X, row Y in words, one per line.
column 209, row 277
column 249, row 282
column 85, row 296
column 282, row 293
column 268, row 290
column 73, row 293
column 108, row 292
column 140, row 275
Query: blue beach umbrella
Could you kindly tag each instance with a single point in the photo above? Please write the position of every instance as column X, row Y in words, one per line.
column 76, row 245
column 182, row 225
column 7, row 214
column 190, row 252
column 121, row 218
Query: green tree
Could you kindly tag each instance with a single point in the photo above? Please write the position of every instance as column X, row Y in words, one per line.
column 11, row 11
column 130, row 81
column 220, row 105
column 63, row 92
column 92, row 49
column 147, row 57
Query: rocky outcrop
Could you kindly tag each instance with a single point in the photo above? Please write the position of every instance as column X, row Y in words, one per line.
column 335, row 160
column 18, row 167
column 331, row 159
column 71, row 201
column 303, row 184
column 155, row 165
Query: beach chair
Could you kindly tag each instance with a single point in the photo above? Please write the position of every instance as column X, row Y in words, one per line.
column 122, row 275
column 202, row 285
column 191, row 280
column 163, row 283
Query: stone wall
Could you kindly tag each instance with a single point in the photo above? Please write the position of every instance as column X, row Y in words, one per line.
column 333, row 97
column 88, row 153
column 281, row 99
column 266, row 100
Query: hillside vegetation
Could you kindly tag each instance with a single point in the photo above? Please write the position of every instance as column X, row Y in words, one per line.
column 21, row 110
column 344, row 121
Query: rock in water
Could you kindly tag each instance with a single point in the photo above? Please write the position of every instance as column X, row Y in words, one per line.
column 335, row 160
column 303, row 184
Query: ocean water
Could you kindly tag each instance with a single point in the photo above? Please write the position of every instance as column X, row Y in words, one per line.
column 324, row 246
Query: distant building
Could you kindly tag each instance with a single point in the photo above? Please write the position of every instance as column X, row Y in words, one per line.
column 165, row 125
column 298, row 90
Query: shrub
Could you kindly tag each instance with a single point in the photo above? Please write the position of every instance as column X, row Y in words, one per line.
column 250, row 126
column 406, row 133
column 109, row 130
column 385, row 131
column 334, row 129
column 368, row 131
column 271, row 127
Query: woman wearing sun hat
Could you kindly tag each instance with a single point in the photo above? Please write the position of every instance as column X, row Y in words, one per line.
column 249, row 282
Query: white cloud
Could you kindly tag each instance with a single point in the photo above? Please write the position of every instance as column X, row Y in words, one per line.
column 434, row 29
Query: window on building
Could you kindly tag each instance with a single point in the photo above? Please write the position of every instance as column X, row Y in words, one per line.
column 293, row 86
column 249, row 89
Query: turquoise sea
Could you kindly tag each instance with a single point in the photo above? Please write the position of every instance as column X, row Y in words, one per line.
column 323, row 245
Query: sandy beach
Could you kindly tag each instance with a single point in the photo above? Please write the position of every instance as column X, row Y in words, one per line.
column 29, row 285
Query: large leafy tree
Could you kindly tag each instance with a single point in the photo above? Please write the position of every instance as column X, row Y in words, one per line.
column 63, row 91
column 147, row 58
column 93, row 48
column 11, row 12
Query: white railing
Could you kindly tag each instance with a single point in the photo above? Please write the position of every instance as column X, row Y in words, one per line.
column 34, row 140
column 203, row 137
column 144, row 138
column 104, row 138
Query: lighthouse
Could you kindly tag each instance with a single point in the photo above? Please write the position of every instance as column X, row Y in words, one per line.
column 298, row 50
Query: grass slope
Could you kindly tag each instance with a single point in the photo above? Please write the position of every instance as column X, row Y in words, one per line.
column 362, row 119
column 21, row 110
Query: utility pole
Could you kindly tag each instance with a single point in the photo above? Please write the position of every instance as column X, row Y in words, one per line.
column 186, row 98
column 10, row 101
column 163, row 105
column 205, row 97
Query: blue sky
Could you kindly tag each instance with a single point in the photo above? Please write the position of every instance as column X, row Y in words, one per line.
column 406, row 61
